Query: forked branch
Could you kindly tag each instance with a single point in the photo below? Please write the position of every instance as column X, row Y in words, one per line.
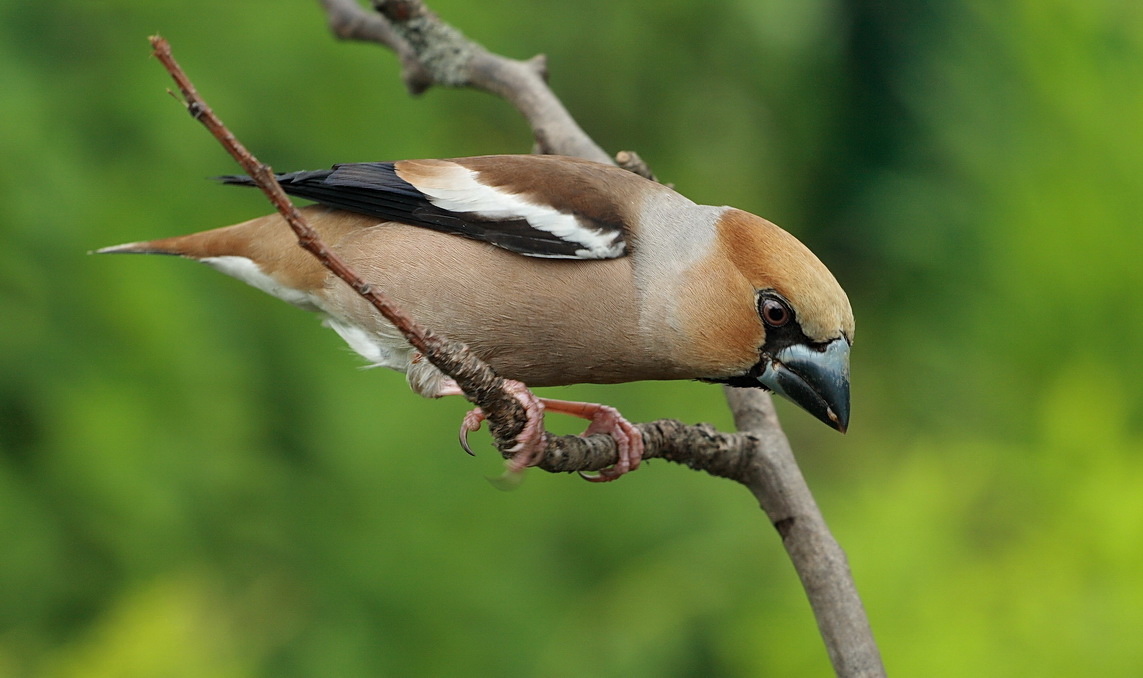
column 759, row 456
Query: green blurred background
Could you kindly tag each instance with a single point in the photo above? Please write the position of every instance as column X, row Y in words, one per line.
column 197, row 480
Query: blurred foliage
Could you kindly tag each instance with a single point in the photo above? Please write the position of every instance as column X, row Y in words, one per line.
column 195, row 480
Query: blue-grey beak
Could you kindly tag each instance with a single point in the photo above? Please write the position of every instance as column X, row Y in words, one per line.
column 816, row 380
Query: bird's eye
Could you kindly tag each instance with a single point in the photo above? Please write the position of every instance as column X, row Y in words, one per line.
column 774, row 313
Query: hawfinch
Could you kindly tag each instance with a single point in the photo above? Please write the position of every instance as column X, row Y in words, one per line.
column 565, row 271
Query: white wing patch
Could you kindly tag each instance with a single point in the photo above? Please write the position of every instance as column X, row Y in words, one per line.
column 457, row 189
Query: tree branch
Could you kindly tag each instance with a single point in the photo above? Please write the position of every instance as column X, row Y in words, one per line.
column 349, row 22
column 772, row 474
column 759, row 457
column 450, row 59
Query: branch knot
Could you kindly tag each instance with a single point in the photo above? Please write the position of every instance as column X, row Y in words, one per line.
column 442, row 50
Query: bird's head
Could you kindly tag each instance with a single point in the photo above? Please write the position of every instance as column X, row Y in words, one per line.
column 800, row 328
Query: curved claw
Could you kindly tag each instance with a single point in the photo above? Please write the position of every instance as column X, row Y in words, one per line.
column 529, row 442
column 600, row 477
column 471, row 422
column 511, row 478
column 464, row 441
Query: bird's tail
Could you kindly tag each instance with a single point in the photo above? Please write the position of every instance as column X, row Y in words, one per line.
column 226, row 241
column 165, row 246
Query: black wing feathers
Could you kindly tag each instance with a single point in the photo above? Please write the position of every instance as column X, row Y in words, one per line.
column 374, row 189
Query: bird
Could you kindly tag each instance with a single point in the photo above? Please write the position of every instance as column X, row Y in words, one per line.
column 553, row 270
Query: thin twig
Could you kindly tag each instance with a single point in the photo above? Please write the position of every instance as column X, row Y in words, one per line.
column 476, row 379
column 630, row 161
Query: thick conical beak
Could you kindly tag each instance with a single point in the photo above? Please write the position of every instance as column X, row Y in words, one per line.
column 817, row 380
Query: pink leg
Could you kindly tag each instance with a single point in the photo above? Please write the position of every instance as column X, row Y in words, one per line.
column 605, row 419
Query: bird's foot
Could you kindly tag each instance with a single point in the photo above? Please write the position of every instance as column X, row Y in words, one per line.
column 605, row 419
column 530, row 442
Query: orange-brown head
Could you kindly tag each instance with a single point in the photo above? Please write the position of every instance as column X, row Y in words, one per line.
column 790, row 324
